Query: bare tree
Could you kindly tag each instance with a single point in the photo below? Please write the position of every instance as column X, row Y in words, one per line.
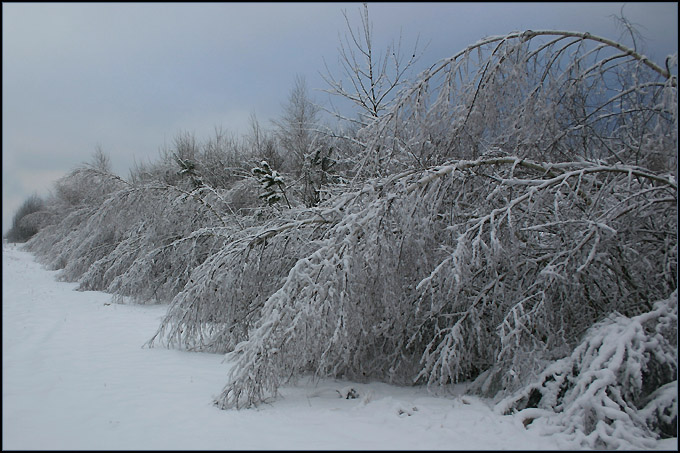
column 371, row 79
column 297, row 136
column 295, row 128
column 101, row 160
column 22, row 227
column 220, row 159
column 262, row 145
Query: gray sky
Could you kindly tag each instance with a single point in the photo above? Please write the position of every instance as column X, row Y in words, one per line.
column 130, row 76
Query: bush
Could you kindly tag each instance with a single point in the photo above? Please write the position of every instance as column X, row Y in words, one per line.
column 618, row 389
column 508, row 200
column 24, row 226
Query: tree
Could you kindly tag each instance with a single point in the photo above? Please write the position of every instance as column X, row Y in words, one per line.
column 295, row 128
column 525, row 94
column 371, row 80
column 86, row 185
column 514, row 196
column 297, row 137
column 24, row 222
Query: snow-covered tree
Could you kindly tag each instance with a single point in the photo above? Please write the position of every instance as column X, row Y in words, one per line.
column 77, row 197
column 26, row 221
column 223, row 296
column 102, row 245
column 297, row 135
column 518, row 193
column 549, row 96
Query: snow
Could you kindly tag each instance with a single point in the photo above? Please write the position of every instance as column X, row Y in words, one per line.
column 76, row 376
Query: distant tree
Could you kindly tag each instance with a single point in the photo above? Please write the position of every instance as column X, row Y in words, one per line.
column 297, row 136
column 101, row 160
column 262, row 145
column 87, row 184
column 295, row 127
column 22, row 227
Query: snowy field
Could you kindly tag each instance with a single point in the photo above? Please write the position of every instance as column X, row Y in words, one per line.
column 75, row 376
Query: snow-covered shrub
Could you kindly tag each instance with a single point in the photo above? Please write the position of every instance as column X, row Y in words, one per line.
column 22, row 227
column 243, row 197
column 77, row 198
column 533, row 185
column 441, row 276
column 156, row 251
column 344, row 308
column 224, row 294
column 50, row 242
column 85, row 186
column 617, row 389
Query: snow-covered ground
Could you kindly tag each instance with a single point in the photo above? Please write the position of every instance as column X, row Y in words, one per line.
column 75, row 376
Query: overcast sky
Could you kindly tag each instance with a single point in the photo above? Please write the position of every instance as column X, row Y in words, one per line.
column 130, row 76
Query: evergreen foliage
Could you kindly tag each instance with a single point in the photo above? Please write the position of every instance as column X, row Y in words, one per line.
column 272, row 184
